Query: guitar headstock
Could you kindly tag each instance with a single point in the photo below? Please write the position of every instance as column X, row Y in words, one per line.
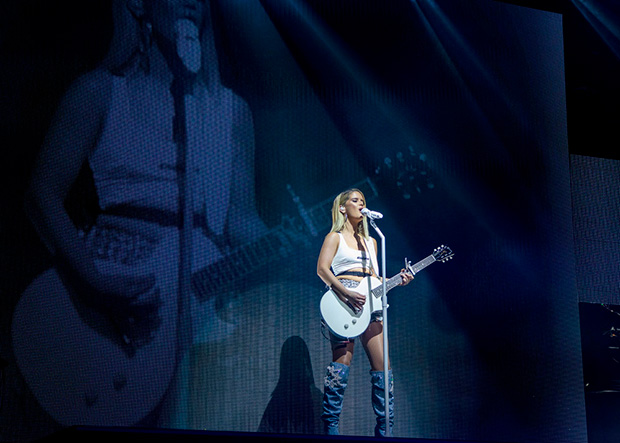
column 443, row 253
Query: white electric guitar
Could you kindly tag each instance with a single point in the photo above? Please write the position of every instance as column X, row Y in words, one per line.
column 345, row 321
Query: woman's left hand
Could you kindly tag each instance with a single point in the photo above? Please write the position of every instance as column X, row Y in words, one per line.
column 406, row 276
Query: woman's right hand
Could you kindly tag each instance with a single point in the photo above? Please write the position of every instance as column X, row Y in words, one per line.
column 114, row 290
column 355, row 299
column 130, row 302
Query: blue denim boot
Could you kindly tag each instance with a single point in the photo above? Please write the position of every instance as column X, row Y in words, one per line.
column 378, row 402
column 333, row 394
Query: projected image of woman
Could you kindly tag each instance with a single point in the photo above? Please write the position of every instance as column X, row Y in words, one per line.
column 123, row 121
column 346, row 257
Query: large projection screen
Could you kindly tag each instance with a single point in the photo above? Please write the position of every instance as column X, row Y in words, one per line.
column 451, row 118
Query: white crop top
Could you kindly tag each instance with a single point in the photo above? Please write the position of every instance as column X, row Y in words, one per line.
column 347, row 258
column 135, row 159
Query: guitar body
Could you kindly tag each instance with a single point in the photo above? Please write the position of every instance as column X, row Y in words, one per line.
column 345, row 322
column 341, row 319
column 77, row 364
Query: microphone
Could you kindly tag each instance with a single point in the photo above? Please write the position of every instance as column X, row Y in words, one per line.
column 188, row 44
column 373, row 215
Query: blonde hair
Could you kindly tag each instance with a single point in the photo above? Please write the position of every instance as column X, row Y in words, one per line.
column 339, row 219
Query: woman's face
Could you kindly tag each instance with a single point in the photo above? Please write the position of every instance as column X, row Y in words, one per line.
column 164, row 14
column 354, row 205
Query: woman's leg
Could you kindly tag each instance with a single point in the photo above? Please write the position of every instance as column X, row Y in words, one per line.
column 336, row 379
column 372, row 340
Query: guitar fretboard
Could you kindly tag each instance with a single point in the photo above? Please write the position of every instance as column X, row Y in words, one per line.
column 396, row 280
column 423, row 263
column 249, row 258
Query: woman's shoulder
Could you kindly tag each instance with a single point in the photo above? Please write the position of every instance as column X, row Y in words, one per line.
column 85, row 102
column 331, row 244
column 372, row 241
column 230, row 95
column 97, row 80
column 233, row 100
column 334, row 234
column 333, row 237
column 92, row 89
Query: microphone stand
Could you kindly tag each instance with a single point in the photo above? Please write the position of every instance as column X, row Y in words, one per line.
column 184, row 64
column 181, row 89
column 384, row 303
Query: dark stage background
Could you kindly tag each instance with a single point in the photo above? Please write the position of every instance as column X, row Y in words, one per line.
column 452, row 117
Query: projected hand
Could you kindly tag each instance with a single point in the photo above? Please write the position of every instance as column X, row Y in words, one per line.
column 130, row 304
column 133, row 305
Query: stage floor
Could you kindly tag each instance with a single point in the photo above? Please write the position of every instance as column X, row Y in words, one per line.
column 135, row 435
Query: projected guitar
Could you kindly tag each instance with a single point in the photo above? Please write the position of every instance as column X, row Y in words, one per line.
column 83, row 370
column 346, row 322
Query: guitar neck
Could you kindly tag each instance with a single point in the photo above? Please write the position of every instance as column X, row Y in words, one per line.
column 394, row 281
column 249, row 257
column 423, row 263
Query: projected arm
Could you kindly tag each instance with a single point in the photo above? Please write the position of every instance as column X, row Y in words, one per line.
column 243, row 222
column 73, row 133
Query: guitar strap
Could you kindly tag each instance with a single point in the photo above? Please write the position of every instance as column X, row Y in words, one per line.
column 373, row 257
